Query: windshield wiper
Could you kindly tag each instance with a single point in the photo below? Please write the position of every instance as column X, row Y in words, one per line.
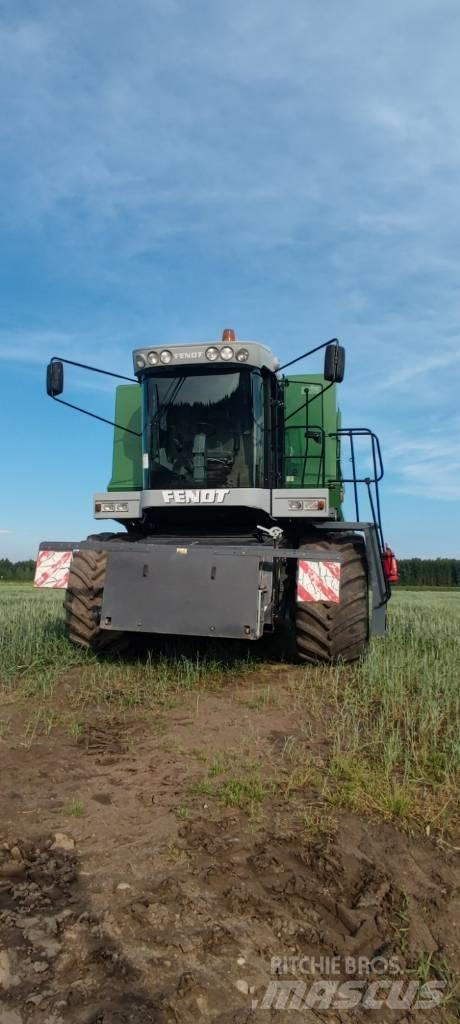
column 175, row 387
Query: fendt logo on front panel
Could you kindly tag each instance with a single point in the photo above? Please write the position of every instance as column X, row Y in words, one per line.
column 188, row 355
column 200, row 497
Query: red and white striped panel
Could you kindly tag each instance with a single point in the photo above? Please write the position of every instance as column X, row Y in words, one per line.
column 318, row 581
column 52, row 569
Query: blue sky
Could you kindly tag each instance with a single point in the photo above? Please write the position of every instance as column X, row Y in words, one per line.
column 290, row 170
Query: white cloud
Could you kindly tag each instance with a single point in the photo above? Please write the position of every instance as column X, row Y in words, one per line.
column 95, row 349
column 162, row 167
column 427, row 466
column 405, row 376
column 125, row 110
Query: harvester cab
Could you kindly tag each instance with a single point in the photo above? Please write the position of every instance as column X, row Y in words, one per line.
column 227, row 478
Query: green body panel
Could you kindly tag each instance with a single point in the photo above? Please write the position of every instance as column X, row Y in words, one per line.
column 127, row 449
column 311, row 461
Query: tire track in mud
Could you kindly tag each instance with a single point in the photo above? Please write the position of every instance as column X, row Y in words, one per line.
column 151, row 919
column 193, row 940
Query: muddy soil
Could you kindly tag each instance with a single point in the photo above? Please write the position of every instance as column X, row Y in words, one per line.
column 131, row 894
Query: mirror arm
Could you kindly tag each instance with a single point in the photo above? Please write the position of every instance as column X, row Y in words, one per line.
column 332, row 341
column 94, row 416
column 94, row 369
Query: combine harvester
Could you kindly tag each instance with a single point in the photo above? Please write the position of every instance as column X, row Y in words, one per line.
column 227, row 480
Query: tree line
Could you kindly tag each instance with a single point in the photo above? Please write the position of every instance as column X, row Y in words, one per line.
column 19, row 572
column 429, row 572
column 413, row 572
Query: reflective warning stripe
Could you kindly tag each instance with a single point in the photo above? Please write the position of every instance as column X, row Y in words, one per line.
column 52, row 569
column 318, row 581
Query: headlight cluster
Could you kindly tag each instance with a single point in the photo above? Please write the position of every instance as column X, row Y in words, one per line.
column 153, row 358
column 310, row 505
column 111, row 506
column 164, row 357
column 226, row 353
column 213, row 353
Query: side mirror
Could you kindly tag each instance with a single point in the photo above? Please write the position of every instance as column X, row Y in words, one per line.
column 334, row 363
column 54, row 378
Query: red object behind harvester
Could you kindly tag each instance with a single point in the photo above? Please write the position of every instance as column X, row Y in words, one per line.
column 390, row 565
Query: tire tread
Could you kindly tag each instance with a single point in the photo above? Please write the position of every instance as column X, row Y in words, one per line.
column 328, row 632
column 83, row 603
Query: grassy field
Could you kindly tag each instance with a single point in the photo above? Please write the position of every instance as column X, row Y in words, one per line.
column 392, row 722
column 35, row 655
column 258, row 807
column 397, row 715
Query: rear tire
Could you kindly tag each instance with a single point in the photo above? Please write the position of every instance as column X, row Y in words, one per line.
column 83, row 603
column 327, row 632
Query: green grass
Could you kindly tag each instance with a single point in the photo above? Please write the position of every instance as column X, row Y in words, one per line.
column 32, row 640
column 403, row 703
column 35, row 654
column 392, row 721
column 74, row 809
column 245, row 789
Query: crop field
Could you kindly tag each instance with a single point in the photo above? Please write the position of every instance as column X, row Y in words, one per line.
column 215, row 808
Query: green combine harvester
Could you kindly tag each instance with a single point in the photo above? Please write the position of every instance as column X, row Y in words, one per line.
column 228, row 482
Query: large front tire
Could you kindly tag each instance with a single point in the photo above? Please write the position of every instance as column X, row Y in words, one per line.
column 327, row 632
column 83, row 604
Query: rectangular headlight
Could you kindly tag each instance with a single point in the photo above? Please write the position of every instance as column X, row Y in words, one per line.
column 314, row 505
column 111, row 506
column 307, row 505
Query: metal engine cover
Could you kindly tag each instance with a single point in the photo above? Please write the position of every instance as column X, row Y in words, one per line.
column 193, row 591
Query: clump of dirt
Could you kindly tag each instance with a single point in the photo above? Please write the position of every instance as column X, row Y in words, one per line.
column 56, row 961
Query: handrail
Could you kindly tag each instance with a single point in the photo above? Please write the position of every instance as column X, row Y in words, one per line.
column 376, row 450
column 371, row 482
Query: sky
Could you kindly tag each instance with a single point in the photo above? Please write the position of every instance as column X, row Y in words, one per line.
column 287, row 169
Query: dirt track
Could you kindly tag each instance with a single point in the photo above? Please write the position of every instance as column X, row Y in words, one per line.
column 168, row 906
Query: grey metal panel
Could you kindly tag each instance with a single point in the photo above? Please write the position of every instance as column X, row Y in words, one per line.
column 190, row 497
column 192, row 592
column 264, row 552
column 275, row 501
column 131, row 497
column 260, row 356
column 281, row 496
column 379, row 584
column 193, row 497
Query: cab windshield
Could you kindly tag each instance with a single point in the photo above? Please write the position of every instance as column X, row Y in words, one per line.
column 204, row 429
